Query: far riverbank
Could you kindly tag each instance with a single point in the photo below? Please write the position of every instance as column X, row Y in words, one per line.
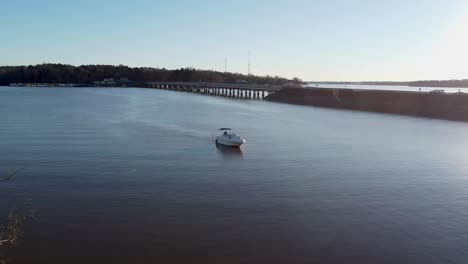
column 440, row 105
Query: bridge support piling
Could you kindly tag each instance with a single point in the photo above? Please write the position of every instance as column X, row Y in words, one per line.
column 241, row 91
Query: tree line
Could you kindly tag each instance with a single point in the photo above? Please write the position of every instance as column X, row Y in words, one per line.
column 445, row 83
column 428, row 83
column 87, row 74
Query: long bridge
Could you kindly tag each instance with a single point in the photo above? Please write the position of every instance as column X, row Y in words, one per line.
column 235, row 90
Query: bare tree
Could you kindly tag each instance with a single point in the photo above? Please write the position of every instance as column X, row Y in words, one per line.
column 11, row 226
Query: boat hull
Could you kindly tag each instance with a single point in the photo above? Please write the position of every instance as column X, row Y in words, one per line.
column 229, row 143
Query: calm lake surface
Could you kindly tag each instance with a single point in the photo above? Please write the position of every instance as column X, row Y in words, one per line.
column 134, row 176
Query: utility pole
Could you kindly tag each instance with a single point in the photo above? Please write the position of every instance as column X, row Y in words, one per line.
column 248, row 70
column 225, row 65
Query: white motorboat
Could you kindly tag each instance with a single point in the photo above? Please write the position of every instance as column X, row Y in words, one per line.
column 227, row 137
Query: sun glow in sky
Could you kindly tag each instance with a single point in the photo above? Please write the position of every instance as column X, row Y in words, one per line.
column 340, row 40
column 450, row 52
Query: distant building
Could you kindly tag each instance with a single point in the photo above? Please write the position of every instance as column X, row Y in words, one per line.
column 125, row 82
column 109, row 81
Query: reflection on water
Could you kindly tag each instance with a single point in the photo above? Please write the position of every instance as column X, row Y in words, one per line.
column 229, row 152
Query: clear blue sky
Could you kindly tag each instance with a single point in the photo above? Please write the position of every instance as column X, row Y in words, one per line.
column 314, row 40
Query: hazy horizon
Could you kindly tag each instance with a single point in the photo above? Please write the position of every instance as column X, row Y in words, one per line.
column 320, row 41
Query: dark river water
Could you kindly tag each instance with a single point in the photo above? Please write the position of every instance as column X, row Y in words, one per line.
column 134, row 176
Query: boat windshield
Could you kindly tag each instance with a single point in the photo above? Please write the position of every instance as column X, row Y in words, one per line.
column 226, row 132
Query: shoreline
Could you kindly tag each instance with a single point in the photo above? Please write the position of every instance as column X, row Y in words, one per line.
column 437, row 105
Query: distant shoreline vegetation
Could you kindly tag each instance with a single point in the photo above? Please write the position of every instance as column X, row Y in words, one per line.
column 107, row 75
column 426, row 83
column 447, row 83
column 63, row 75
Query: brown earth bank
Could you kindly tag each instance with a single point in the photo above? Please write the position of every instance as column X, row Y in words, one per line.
column 449, row 106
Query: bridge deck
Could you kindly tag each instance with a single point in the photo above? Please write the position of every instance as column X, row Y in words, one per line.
column 222, row 85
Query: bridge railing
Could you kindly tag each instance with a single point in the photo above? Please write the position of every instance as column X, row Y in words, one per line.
column 222, row 85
